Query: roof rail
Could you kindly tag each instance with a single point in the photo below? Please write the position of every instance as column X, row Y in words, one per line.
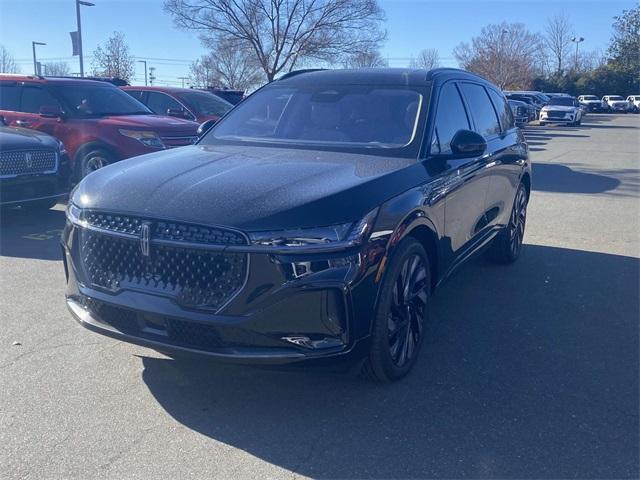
column 298, row 72
column 22, row 75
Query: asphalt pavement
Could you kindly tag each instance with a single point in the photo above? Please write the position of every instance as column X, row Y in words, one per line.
column 528, row 371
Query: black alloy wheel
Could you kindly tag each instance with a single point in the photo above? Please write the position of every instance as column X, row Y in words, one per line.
column 507, row 245
column 398, row 329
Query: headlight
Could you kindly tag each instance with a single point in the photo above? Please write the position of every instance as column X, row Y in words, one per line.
column 75, row 215
column 346, row 234
column 61, row 149
column 147, row 138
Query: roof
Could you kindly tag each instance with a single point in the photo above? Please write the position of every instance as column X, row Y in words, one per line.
column 155, row 88
column 50, row 80
column 379, row 76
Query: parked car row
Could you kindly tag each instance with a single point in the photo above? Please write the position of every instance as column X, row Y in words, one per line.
column 92, row 123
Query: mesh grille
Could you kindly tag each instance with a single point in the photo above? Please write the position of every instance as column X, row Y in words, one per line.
column 30, row 162
column 555, row 114
column 193, row 277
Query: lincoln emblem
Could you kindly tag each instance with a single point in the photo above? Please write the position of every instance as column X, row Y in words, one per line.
column 28, row 162
column 145, row 234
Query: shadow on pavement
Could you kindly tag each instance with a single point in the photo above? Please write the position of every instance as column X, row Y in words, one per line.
column 560, row 178
column 29, row 234
column 534, row 374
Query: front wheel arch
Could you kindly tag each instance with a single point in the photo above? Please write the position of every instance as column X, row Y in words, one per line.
column 87, row 148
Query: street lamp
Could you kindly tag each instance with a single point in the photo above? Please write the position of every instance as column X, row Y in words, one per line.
column 35, row 63
column 500, row 59
column 145, row 71
column 577, row 40
column 86, row 4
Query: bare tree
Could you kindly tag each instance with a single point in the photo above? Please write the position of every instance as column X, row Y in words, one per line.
column 227, row 65
column 114, row 59
column 7, row 62
column 284, row 33
column 57, row 69
column 506, row 54
column 370, row 59
column 428, row 59
column 557, row 39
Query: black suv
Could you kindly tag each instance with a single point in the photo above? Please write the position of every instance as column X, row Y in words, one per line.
column 312, row 223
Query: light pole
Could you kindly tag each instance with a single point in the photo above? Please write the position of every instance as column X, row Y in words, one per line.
column 145, row 71
column 86, row 4
column 577, row 40
column 502, row 85
column 35, row 63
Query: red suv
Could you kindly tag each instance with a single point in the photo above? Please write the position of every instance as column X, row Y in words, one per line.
column 186, row 103
column 97, row 122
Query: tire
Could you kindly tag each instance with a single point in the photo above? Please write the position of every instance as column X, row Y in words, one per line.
column 542, row 124
column 507, row 245
column 398, row 324
column 92, row 161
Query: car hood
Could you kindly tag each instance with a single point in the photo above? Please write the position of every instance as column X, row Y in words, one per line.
column 559, row 108
column 250, row 188
column 157, row 123
column 591, row 101
column 21, row 138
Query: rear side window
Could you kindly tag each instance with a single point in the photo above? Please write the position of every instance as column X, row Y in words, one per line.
column 9, row 96
column 504, row 111
column 450, row 117
column 484, row 116
column 34, row 98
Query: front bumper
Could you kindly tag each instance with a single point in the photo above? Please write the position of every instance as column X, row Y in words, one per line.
column 322, row 316
column 567, row 118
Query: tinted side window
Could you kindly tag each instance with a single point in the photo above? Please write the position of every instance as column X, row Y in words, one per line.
column 9, row 96
column 34, row 98
column 137, row 94
column 159, row 103
column 504, row 112
column 450, row 117
column 481, row 109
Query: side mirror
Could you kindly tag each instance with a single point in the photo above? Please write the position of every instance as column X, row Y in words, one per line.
column 50, row 111
column 467, row 143
column 205, row 127
column 177, row 112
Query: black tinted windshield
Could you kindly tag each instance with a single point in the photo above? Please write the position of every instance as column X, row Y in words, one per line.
column 206, row 103
column 98, row 101
column 615, row 97
column 590, row 97
column 565, row 101
column 376, row 118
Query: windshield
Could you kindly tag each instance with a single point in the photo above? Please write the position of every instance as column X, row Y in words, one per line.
column 206, row 103
column 615, row 97
column 90, row 101
column 376, row 118
column 565, row 101
column 590, row 97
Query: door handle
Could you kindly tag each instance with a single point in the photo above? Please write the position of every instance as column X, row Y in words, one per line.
column 23, row 123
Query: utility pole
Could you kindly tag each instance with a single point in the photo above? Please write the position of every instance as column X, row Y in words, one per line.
column 183, row 79
column 152, row 77
column 36, row 70
column 86, row 4
column 502, row 83
column 145, row 71
column 577, row 40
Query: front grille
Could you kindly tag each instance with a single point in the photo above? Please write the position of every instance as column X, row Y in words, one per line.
column 521, row 111
column 30, row 162
column 179, row 141
column 555, row 114
column 193, row 277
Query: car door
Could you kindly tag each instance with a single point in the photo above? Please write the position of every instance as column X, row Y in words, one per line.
column 33, row 98
column 508, row 154
column 160, row 103
column 465, row 180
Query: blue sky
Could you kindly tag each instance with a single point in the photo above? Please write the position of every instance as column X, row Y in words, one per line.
column 411, row 24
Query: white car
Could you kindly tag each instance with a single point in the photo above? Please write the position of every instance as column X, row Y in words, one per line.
column 614, row 103
column 590, row 102
column 633, row 103
column 565, row 110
